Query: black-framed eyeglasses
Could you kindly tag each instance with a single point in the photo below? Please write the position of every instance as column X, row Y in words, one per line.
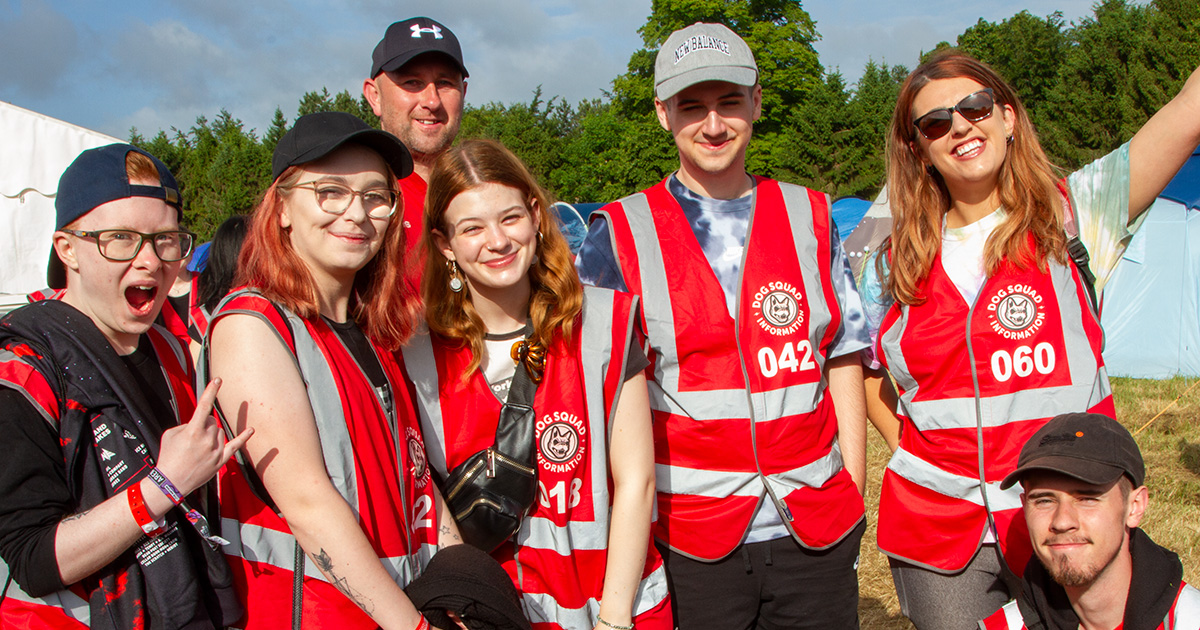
column 974, row 107
column 335, row 198
column 124, row 245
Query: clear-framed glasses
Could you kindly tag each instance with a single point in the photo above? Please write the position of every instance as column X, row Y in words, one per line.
column 335, row 198
column 123, row 245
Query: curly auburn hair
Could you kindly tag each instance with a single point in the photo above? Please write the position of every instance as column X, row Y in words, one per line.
column 556, row 294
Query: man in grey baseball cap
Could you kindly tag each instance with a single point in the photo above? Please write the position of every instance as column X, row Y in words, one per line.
column 755, row 327
column 1093, row 567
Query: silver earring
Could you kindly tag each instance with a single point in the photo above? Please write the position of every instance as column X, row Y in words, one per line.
column 456, row 283
column 1010, row 139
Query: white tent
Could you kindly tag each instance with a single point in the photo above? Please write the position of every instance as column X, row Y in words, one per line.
column 35, row 152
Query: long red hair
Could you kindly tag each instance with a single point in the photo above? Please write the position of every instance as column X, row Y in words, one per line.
column 380, row 301
column 919, row 199
column 556, row 294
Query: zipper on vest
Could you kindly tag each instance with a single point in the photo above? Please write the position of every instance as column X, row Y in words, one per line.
column 987, row 508
column 780, row 506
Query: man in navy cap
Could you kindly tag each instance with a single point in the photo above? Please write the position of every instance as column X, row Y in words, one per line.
column 101, row 522
column 416, row 87
column 1084, row 498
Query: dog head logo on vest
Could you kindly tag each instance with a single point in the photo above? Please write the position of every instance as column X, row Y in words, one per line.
column 776, row 308
column 560, row 440
column 416, row 453
column 1015, row 311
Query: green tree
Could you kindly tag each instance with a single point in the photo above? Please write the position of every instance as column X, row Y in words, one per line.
column 1126, row 62
column 343, row 101
column 279, row 126
column 1026, row 50
column 779, row 32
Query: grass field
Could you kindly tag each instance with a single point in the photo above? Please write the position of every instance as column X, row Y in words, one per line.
column 1170, row 446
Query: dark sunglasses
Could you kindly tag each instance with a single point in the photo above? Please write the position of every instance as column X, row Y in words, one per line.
column 974, row 107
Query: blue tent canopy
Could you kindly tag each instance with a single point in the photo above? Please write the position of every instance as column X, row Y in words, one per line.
column 847, row 212
column 1185, row 187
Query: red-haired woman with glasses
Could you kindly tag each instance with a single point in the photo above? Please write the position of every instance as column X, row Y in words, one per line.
column 335, row 501
column 499, row 273
column 984, row 321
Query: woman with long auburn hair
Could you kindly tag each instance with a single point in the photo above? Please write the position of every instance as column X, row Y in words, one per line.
column 334, row 510
column 984, row 320
column 500, row 293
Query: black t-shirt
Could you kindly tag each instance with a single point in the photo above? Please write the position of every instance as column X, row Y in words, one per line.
column 360, row 348
column 33, row 480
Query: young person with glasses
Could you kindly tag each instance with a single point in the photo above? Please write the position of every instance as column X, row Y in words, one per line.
column 984, row 320
column 499, row 277
column 108, row 454
column 333, row 510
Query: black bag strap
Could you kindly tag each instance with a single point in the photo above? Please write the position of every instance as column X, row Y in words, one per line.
column 1077, row 250
column 514, row 431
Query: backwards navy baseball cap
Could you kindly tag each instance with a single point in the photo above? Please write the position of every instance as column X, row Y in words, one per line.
column 95, row 178
column 406, row 39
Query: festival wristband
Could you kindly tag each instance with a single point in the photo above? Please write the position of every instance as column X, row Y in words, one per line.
column 137, row 505
column 423, row 625
column 166, row 486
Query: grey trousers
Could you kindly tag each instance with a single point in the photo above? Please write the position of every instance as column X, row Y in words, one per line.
column 936, row 601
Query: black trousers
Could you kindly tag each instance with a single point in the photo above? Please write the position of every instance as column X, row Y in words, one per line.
column 768, row 585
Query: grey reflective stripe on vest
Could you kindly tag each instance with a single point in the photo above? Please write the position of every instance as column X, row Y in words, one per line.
column 1030, row 404
column 657, row 308
column 323, row 397
column 422, row 370
column 718, row 404
column 1012, row 617
column 72, row 605
column 961, row 487
column 263, row 545
column 720, row 484
column 1089, row 382
column 1186, row 610
column 541, row 608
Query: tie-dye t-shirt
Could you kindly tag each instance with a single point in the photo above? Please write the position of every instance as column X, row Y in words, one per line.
column 720, row 228
column 1100, row 203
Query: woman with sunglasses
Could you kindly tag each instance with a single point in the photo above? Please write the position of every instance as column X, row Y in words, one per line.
column 984, row 321
column 335, row 503
column 498, row 277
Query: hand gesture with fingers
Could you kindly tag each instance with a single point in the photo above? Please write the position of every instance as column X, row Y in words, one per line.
column 192, row 453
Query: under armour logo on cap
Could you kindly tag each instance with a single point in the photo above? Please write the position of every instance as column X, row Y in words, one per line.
column 435, row 30
column 406, row 40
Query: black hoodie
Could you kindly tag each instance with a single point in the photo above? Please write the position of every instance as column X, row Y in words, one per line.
column 1153, row 587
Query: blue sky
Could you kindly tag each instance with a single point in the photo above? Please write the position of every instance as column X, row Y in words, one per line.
column 159, row 64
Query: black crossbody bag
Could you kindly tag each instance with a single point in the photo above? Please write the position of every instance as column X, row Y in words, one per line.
column 492, row 492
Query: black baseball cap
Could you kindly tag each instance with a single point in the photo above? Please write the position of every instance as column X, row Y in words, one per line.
column 316, row 135
column 1090, row 447
column 406, row 39
column 96, row 177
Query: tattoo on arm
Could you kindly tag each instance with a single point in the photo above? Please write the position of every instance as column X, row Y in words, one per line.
column 75, row 517
column 445, row 531
column 325, row 564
